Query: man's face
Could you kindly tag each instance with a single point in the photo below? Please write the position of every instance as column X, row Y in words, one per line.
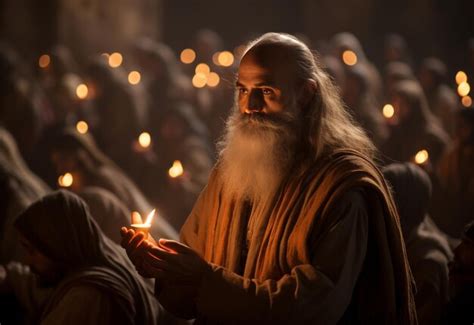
column 260, row 90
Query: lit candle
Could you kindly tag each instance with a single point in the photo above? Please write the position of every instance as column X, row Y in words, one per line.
column 143, row 227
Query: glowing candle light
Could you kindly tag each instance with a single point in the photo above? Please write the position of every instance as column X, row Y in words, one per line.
column 187, row 56
column 44, row 61
column 144, row 140
column 213, row 79
column 134, row 77
column 176, row 170
column 82, row 91
column 199, row 80
column 466, row 101
column 143, row 227
column 349, row 57
column 215, row 58
column 65, row 180
column 461, row 77
column 388, row 111
column 225, row 58
column 82, row 127
column 115, row 60
column 421, row 156
column 464, row 89
column 203, row 68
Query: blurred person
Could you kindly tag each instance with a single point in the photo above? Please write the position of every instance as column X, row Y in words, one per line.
column 78, row 155
column 19, row 188
column 294, row 183
column 121, row 115
column 416, row 128
column 396, row 50
column 442, row 100
column 394, row 73
column 427, row 248
column 362, row 104
column 461, row 277
column 454, row 202
column 342, row 42
column 87, row 277
column 335, row 70
column 181, row 137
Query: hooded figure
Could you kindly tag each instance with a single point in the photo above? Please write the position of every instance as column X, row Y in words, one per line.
column 19, row 188
column 93, row 281
column 427, row 248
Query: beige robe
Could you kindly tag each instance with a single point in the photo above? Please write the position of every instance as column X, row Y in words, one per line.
column 328, row 248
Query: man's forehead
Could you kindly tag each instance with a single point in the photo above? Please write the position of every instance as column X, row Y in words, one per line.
column 251, row 70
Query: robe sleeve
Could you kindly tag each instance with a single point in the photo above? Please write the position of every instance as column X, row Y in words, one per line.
column 320, row 291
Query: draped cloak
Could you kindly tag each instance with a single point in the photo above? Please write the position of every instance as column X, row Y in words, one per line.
column 280, row 276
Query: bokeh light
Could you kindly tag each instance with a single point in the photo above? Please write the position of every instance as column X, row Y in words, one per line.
column 199, row 80
column 82, row 91
column 421, row 157
column 213, row 79
column 82, row 127
column 44, row 61
column 187, row 56
column 134, row 77
column 176, row 170
column 464, row 89
column 202, row 68
column 461, row 77
column 225, row 58
column 65, row 180
column 388, row 111
column 115, row 60
column 466, row 101
column 349, row 57
column 144, row 139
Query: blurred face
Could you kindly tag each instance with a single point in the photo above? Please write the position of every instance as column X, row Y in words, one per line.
column 402, row 110
column 48, row 272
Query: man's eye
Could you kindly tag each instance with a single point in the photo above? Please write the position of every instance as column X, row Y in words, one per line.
column 242, row 91
column 267, row 91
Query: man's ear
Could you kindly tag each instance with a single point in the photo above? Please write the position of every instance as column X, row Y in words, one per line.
column 306, row 93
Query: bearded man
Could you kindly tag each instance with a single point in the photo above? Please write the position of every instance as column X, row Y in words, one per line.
column 296, row 224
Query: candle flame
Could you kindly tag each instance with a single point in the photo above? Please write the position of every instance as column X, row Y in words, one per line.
column 65, row 180
column 388, row 111
column 149, row 218
column 176, row 170
column 421, row 157
column 349, row 57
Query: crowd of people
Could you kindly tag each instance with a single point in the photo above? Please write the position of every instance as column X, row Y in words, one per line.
column 82, row 148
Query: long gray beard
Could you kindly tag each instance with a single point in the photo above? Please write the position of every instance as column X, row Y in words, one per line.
column 257, row 153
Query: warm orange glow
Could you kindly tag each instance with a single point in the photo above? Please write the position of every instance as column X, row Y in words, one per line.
column 82, row 127
column 82, row 91
column 464, row 89
column 105, row 56
column 149, row 218
column 65, row 180
column 349, row 57
column 199, row 80
column 388, row 111
column 44, row 61
column 215, row 58
column 421, row 157
column 225, row 58
column 115, row 60
column 144, row 139
column 176, row 170
column 134, row 77
column 461, row 77
column 213, row 79
column 466, row 101
column 188, row 56
column 203, row 68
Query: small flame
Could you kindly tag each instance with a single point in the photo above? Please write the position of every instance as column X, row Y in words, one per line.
column 388, row 111
column 149, row 218
column 421, row 157
column 65, row 180
column 349, row 57
column 144, row 140
column 176, row 170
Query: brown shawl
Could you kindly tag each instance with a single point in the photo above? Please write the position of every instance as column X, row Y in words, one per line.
column 278, row 272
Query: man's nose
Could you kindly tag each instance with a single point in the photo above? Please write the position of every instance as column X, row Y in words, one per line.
column 256, row 101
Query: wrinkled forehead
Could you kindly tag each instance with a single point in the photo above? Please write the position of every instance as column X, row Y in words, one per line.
column 271, row 62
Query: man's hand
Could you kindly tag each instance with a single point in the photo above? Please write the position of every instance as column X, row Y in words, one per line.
column 175, row 263
column 136, row 246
